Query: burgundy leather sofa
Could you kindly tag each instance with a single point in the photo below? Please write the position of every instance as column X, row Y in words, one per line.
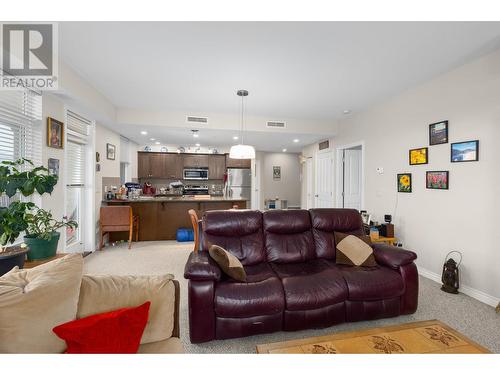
column 293, row 282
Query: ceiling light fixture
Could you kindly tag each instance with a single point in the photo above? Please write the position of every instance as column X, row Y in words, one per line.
column 152, row 139
column 346, row 111
column 197, row 145
column 295, row 141
column 157, row 143
column 241, row 150
column 284, row 150
column 195, row 133
column 144, row 132
column 235, row 137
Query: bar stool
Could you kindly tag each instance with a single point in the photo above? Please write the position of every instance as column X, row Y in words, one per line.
column 118, row 219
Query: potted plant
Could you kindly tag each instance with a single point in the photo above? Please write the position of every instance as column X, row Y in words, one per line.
column 41, row 233
column 19, row 176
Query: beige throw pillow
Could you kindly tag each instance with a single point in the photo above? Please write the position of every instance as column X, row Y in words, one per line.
column 100, row 294
column 228, row 263
column 353, row 250
column 33, row 301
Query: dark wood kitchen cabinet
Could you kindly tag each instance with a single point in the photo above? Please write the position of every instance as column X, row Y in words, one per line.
column 195, row 161
column 216, row 167
column 143, row 165
column 173, row 166
column 237, row 163
column 159, row 165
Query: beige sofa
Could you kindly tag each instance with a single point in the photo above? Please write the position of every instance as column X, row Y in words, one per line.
column 34, row 301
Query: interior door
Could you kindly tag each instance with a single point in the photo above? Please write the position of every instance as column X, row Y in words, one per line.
column 309, row 184
column 324, row 180
column 352, row 179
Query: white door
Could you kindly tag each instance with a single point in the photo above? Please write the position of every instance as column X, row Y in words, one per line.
column 352, row 179
column 255, row 203
column 309, row 184
column 324, row 180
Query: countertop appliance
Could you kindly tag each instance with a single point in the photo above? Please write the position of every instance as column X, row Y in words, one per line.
column 148, row 189
column 195, row 173
column 195, row 189
column 239, row 182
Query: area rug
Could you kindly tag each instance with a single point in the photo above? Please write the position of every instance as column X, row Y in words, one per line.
column 427, row 337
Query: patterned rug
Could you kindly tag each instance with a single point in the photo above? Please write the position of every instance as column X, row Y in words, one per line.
column 431, row 336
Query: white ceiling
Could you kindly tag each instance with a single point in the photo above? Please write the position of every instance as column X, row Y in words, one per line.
column 297, row 70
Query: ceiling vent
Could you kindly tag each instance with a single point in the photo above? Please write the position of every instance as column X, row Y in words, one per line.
column 276, row 124
column 196, row 120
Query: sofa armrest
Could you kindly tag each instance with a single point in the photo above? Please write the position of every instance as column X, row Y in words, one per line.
column 200, row 267
column 391, row 256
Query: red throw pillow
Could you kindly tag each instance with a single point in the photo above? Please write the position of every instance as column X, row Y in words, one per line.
column 118, row 331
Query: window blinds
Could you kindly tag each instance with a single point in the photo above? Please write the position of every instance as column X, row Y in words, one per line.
column 78, row 130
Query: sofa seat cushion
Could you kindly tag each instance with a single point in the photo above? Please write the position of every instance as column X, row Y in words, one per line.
column 311, row 285
column 261, row 294
column 172, row 345
column 372, row 283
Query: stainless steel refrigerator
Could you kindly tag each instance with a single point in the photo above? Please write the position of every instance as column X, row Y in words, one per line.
column 239, row 182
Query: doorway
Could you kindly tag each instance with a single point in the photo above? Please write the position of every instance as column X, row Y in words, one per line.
column 350, row 176
column 324, row 180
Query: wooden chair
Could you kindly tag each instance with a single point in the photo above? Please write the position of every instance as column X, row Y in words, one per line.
column 195, row 222
column 118, row 219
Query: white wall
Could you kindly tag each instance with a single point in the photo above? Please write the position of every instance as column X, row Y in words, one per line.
column 434, row 222
column 288, row 187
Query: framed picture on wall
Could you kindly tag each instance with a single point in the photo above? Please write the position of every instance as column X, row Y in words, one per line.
column 276, row 172
column 437, row 180
column 110, row 151
column 55, row 133
column 53, row 167
column 465, row 151
column 404, row 183
column 438, row 133
column 419, row 156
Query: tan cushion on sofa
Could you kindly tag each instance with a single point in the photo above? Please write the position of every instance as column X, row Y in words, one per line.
column 100, row 294
column 354, row 250
column 34, row 301
column 172, row 345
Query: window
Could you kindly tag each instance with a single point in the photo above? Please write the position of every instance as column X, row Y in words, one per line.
column 20, row 128
column 78, row 130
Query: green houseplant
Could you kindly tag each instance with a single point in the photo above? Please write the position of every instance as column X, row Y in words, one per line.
column 20, row 176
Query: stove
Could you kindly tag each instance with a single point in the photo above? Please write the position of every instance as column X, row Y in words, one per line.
column 195, row 189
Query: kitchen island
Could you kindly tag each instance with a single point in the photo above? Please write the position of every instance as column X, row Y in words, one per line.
column 160, row 217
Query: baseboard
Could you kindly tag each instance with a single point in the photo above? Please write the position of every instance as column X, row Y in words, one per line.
column 471, row 292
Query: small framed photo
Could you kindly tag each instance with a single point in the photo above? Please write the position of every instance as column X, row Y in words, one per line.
column 404, row 183
column 465, row 151
column 366, row 217
column 110, row 151
column 55, row 133
column 53, row 167
column 438, row 133
column 437, row 180
column 276, row 172
column 419, row 156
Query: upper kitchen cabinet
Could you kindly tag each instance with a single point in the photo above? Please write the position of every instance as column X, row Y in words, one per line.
column 158, row 165
column 237, row 163
column 216, row 167
column 173, row 165
column 143, row 165
column 196, row 161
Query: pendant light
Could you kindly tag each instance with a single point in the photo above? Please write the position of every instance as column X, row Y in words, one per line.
column 242, row 151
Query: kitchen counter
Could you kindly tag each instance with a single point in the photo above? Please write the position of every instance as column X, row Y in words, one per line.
column 160, row 217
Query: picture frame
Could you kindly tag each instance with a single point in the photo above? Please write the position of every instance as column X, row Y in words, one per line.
column 419, row 156
column 404, row 182
column 53, row 167
column 463, row 152
column 55, row 133
column 110, row 151
column 276, row 172
column 438, row 180
column 438, row 133
column 366, row 217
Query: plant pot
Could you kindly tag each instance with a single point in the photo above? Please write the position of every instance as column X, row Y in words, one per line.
column 13, row 256
column 41, row 248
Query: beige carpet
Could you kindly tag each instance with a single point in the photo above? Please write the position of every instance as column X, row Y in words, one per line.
column 467, row 315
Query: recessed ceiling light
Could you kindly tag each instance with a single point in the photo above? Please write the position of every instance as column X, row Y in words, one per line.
column 144, row 132
column 295, row 141
column 195, row 133
column 197, row 145
column 346, row 111
column 284, row 150
column 235, row 137
column 152, row 139
column 157, row 143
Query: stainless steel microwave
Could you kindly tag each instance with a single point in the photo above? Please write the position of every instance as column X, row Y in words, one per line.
column 195, row 174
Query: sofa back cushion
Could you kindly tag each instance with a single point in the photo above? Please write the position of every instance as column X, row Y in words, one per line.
column 326, row 221
column 288, row 236
column 237, row 231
